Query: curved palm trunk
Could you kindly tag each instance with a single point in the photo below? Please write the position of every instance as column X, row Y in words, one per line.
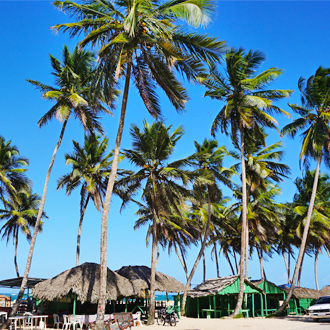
column 201, row 251
column 300, row 268
column 82, row 213
column 182, row 260
column 107, row 200
column 204, row 268
column 261, row 261
column 286, row 266
column 230, row 264
column 15, row 257
column 36, row 229
column 315, row 269
column 236, row 265
column 216, row 259
column 244, row 222
column 303, row 240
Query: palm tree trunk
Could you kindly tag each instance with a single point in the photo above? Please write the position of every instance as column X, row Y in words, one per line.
column 182, row 261
column 300, row 268
column 261, row 263
column 151, row 318
column 107, row 200
column 216, row 259
column 315, row 268
column 230, row 264
column 204, row 268
column 289, row 265
column 303, row 240
column 82, row 213
column 286, row 266
column 247, row 249
column 36, row 229
column 236, row 265
column 244, row 218
column 15, row 257
column 201, row 251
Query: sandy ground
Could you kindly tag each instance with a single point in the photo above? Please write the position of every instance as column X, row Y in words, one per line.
column 285, row 323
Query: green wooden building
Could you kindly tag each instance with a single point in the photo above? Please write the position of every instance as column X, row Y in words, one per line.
column 217, row 297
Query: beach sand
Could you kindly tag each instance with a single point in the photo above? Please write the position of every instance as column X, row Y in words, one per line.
column 285, row 323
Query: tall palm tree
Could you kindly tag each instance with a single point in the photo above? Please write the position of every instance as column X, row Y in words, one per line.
column 162, row 183
column 141, row 39
column 248, row 106
column 72, row 96
column 318, row 233
column 314, row 120
column 12, row 171
column 20, row 214
column 262, row 167
column 209, row 171
column 91, row 167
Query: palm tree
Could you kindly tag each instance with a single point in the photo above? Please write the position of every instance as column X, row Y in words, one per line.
column 72, row 95
column 262, row 167
column 209, row 171
column 91, row 167
column 141, row 39
column 318, row 234
column 162, row 183
column 249, row 106
column 20, row 214
column 315, row 97
column 12, row 173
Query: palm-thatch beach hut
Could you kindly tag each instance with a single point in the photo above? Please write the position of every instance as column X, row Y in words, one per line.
column 82, row 283
column 325, row 291
column 140, row 278
column 218, row 296
column 301, row 299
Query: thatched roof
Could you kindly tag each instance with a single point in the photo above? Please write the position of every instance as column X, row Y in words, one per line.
column 83, row 280
column 215, row 285
column 325, row 291
column 305, row 293
column 140, row 277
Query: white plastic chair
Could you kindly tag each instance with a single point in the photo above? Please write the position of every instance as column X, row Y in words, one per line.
column 57, row 321
column 66, row 323
column 28, row 320
column 137, row 320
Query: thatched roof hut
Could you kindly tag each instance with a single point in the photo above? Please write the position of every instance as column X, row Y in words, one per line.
column 305, row 293
column 215, row 285
column 325, row 291
column 83, row 281
column 140, row 277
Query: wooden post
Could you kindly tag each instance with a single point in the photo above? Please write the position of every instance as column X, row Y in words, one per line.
column 253, row 315
column 198, row 307
column 215, row 306
column 295, row 305
column 266, row 304
column 262, row 305
column 209, row 302
column 74, row 304
column 125, row 305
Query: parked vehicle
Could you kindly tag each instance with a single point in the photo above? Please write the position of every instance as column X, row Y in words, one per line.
column 321, row 309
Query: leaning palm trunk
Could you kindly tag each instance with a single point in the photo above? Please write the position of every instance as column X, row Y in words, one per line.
column 315, row 269
column 15, row 257
column 216, row 259
column 287, row 267
column 230, row 264
column 36, row 229
column 182, row 260
column 106, row 208
column 303, row 240
column 244, row 221
column 261, row 261
column 192, row 273
column 300, row 268
column 82, row 213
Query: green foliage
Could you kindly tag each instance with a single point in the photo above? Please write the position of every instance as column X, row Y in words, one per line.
column 145, row 35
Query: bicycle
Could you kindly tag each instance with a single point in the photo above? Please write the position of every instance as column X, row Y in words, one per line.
column 164, row 317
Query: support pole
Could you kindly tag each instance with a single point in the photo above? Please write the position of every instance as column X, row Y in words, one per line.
column 262, row 305
column 74, row 304
column 253, row 314
column 198, row 307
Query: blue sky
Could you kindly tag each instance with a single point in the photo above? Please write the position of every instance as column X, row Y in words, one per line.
column 293, row 35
